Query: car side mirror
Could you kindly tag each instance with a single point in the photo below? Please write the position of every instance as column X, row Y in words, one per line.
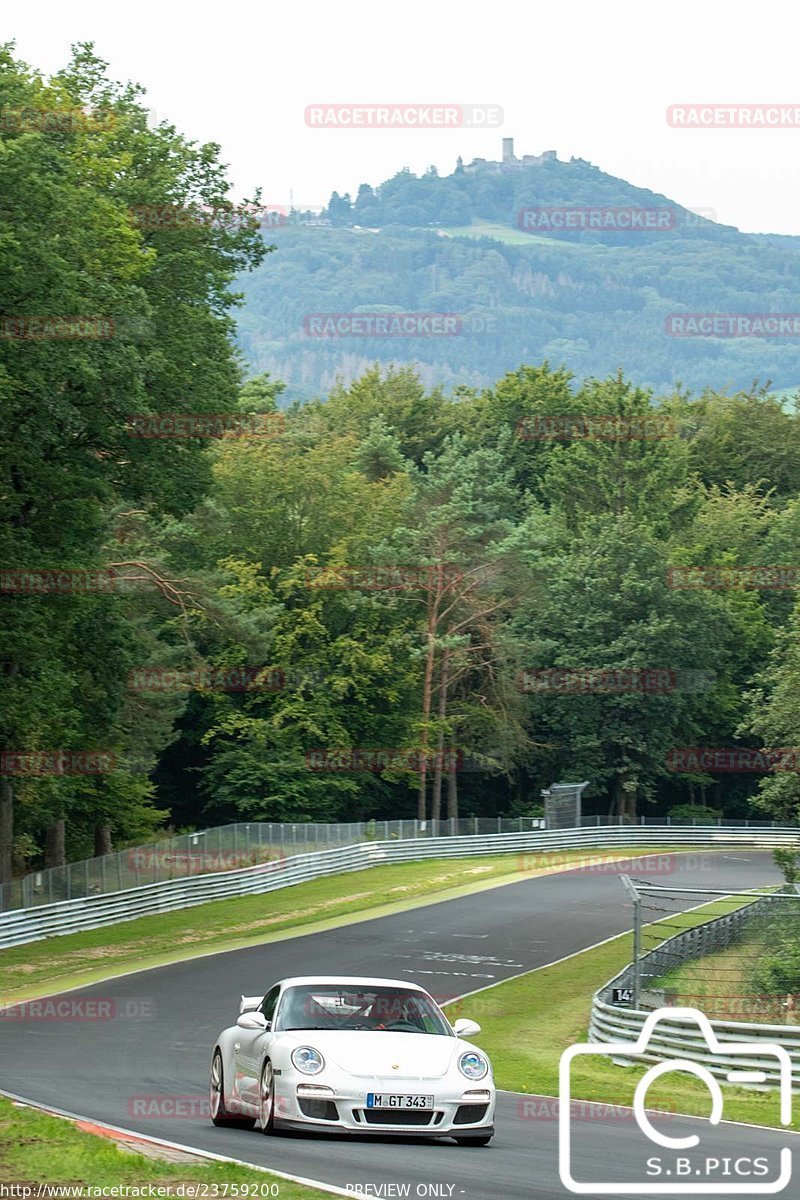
column 253, row 1020
column 466, row 1028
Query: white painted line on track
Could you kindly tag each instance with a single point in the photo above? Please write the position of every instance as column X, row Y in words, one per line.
column 289, row 934
column 330, row 1187
column 453, row 975
column 533, row 970
column 565, row 958
column 781, row 1129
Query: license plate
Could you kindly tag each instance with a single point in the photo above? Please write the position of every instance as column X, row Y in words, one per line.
column 394, row 1100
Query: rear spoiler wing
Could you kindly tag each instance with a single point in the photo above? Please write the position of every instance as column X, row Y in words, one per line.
column 249, row 1004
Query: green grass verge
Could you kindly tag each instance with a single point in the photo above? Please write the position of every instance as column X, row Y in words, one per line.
column 78, row 959
column 528, row 1022
column 720, row 984
column 36, row 1148
column 726, row 984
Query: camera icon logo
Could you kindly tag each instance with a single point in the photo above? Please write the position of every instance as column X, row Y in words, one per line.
column 703, row 1174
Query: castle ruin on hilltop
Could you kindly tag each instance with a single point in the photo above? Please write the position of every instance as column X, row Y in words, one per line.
column 509, row 160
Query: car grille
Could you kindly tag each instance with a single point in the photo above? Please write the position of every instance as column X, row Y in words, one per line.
column 376, row 1116
column 318, row 1110
column 469, row 1114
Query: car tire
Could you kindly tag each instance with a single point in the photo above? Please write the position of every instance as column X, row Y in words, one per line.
column 475, row 1141
column 219, row 1112
column 266, row 1099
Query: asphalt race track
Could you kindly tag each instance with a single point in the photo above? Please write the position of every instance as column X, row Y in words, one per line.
column 151, row 1056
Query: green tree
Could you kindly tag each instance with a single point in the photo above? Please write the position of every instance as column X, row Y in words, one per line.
column 607, row 607
column 72, row 248
column 774, row 716
column 629, row 463
column 745, row 439
column 461, row 521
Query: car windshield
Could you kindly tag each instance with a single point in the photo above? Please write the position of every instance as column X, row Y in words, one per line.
column 379, row 1009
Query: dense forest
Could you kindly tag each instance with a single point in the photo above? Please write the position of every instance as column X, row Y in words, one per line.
column 591, row 299
column 224, row 600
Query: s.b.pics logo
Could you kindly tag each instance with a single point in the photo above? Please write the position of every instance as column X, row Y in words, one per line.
column 675, row 1162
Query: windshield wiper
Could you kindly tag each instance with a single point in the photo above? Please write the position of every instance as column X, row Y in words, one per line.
column 302, row 1028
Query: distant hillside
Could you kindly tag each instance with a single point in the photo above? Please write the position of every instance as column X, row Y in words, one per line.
column 488, row 244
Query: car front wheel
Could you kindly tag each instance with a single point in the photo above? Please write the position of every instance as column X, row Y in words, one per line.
column 266, row 1099
column 220, row 1114
column 475, row 1141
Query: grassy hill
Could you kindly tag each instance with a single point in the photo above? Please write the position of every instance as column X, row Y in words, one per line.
column 590, row 299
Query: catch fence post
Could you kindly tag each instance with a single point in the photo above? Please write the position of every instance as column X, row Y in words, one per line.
column 630, row 888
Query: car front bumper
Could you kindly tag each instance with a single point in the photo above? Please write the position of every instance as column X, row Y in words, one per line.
column 457, row 1111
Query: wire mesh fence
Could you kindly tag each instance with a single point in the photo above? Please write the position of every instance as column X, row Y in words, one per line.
column 733, row 955
column 227, row 848
column 562, row 805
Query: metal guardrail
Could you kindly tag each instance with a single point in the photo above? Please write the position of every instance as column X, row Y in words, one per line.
column 225, row 848
column 675, row 1037
column 32, row 924
column 246, row 843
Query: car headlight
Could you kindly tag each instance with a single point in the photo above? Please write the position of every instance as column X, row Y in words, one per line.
column 308, row 1060
column 473, row 1065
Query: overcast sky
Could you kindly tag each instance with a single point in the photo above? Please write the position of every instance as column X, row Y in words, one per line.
column 582, row 77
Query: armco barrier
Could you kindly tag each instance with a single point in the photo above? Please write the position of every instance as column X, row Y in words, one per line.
column 237, row 845
column 674, row 1038
column 32, row 924
column 246, row 843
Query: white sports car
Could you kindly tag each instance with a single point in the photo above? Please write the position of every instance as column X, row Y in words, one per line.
column 359, row 1056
